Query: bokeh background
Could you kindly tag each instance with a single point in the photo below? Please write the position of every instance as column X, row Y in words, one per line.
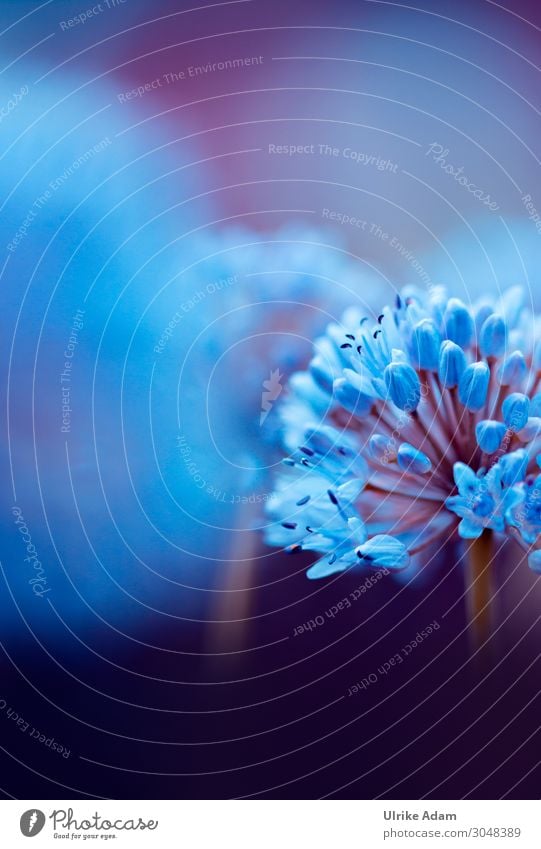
column 189, row 194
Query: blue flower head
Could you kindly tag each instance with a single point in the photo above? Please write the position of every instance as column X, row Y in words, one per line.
column 426, row 426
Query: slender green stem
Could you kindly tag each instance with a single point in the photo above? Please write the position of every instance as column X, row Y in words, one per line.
column 479, row 589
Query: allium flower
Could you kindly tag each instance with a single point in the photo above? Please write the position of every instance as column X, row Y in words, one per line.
column 417, row 427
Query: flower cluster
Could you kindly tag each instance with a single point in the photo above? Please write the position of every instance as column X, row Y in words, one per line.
column 411, row 429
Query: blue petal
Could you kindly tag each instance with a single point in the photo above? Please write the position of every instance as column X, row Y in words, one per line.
column 535, row 405
column 473, row 386
column 410, row 459
column 458, row 323
column 470, row 530
column 381, row 448
column 322, row 374
column 385, row 551
column 452, row 364
column 350, row 491
column 425, row 345
column 511, row 303
column 347, row 392
column 530, row 430
column 465, row 479
column 489, row 435
column 304, row 386
column 513, row 371
column 482, row 312
column 357, row 530
column 515, row 410
column 403, row 385
column 379, row 387
column 459, row 505
column 493, row 336
column 323, row 568
column 534, row 561
column 492, row 481
column 513, row 466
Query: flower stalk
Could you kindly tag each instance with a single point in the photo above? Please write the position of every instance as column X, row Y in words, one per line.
column 479, row 590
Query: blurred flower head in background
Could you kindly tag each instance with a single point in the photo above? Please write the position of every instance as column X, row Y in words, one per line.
column 255, row 302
